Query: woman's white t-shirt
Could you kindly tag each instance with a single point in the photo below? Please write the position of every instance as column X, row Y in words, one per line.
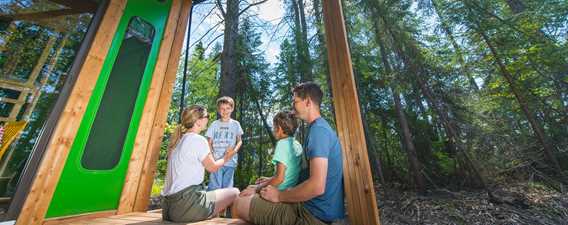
column 185, row 166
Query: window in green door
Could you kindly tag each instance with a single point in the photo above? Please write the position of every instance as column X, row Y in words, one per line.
column 106, row 139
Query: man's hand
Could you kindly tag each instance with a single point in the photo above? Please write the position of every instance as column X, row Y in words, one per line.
column 250, row 190
column 270, row 193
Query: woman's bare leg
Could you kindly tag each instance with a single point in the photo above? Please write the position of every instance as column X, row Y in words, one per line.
column 224, row 198
column 241, row 207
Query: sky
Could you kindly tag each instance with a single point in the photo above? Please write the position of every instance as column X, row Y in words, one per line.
column 204, row 19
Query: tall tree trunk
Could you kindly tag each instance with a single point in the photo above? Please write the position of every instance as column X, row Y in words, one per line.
column 374, row 159
column 539, row 132
column 414, row 67
column 229, row 75
column 459, row 54
column 322, row 57
column 414, row 164
column 301, row 40
column 405, row 134
column 264, row 123
column 559, row 66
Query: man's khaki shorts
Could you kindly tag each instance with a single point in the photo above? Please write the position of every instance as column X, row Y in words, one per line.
column 268, row 213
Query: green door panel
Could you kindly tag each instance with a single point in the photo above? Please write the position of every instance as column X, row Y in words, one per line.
column 95, row 170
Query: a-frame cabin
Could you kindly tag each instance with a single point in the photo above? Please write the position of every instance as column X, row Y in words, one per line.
column 95, row 152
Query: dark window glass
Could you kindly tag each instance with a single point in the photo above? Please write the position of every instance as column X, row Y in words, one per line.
column 107, row 136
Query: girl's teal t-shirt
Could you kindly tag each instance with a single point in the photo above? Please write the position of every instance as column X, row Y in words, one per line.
column 288, row 152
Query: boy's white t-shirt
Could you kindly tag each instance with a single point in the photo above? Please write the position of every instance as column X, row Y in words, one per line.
column 224, row 134
column 185, row 167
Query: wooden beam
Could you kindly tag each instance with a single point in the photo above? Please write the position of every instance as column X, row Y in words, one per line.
column 44, row 15
column 11, row 100
column 136, row 163
column 358, row 180
column 88, row 6
column 47, row 177
column 159, row 123
column 81, row 217
column 15, row 85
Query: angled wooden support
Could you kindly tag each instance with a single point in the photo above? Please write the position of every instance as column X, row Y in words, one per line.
column 140, row 174
column 359, row 189
column 159, row 122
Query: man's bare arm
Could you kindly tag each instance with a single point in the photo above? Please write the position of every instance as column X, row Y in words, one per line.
column 314, row 186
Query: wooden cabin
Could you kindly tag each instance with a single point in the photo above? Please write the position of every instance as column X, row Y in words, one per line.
column 104, row 72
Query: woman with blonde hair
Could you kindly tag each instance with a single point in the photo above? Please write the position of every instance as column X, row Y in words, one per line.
column 184, row 198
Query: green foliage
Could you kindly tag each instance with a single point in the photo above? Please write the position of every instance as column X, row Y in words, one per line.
column 447, row 165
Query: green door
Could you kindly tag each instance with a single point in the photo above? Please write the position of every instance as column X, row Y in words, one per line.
column 94, row 172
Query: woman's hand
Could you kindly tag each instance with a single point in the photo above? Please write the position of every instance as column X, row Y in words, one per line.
column 261, row 180
column 229, row 154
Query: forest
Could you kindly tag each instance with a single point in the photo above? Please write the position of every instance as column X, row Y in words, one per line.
column 464, row 102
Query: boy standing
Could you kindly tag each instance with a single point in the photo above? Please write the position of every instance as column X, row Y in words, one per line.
column 224, row 134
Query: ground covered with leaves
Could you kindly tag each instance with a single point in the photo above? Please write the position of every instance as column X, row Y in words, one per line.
column 519, row 203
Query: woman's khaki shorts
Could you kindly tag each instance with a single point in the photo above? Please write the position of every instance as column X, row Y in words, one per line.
column 188, row 205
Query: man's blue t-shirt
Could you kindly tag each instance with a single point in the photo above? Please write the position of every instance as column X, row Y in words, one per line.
column 322, row 142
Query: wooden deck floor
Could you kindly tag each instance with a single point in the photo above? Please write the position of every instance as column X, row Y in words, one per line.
column 149, row 219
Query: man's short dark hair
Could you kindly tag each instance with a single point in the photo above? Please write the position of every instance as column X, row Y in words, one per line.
column 309, row 90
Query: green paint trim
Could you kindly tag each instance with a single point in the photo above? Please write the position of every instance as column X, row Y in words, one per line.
column 80, row 190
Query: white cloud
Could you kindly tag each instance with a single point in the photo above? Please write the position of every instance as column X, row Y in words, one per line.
column 271, row 10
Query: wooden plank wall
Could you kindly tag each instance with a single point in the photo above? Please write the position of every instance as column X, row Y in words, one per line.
column 359, row 189
column 142, row 195
column 39, row 198
column 142, row 151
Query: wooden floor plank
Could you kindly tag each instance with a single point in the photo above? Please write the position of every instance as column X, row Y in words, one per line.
column 140, row 218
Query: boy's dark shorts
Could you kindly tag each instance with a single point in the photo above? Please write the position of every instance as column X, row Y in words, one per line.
column 268, row 213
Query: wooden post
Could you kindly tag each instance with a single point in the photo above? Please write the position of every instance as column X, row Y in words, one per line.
column 359, row 189
column 159, row 123
column 136, row 174
column 49, row 171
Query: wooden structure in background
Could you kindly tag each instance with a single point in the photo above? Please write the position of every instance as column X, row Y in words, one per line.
column 24, row 88
column 360, row 196
column 47, row 177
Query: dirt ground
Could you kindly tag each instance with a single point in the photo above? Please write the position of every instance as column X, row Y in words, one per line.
column 522, row 204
